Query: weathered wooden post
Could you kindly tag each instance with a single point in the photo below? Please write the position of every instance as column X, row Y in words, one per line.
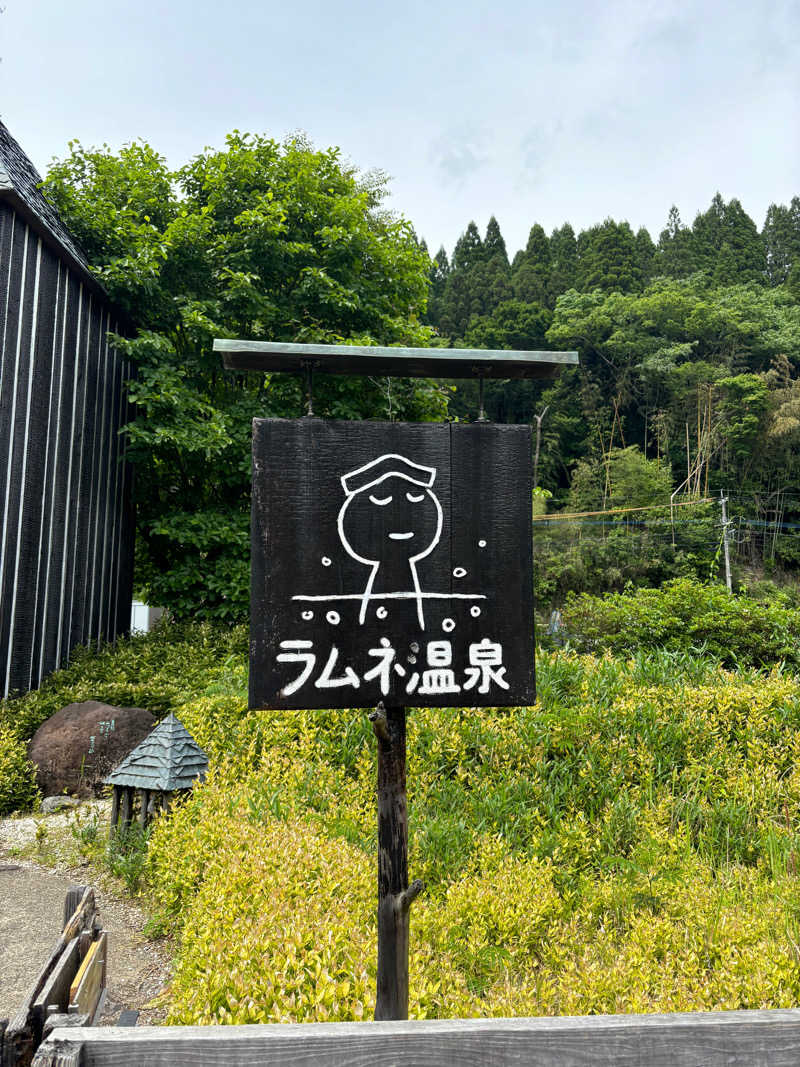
column 391, row 566
column 395, row 895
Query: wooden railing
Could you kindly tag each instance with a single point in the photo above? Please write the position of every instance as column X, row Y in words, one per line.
column 714, row 1039
column 69, row 987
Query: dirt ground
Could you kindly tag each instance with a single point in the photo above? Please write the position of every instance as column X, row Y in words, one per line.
column 31, row 915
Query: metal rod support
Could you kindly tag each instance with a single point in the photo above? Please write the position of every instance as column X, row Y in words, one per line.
column 481, row 410
column 308, row 366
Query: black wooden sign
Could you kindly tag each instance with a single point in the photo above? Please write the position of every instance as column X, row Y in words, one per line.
column 391, row 561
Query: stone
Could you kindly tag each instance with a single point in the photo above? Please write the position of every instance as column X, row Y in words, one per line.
column 81, row 744
column 51, row 804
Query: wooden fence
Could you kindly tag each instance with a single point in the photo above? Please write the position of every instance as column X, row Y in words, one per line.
column 69, row 988
column 714, row 1039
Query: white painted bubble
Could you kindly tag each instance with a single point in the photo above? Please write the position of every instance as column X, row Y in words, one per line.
column 326, row 561
column 381, row 613
column 448, row 625
column 481, row 544
column 333, row 618
column 475, row 611
column 459, row 572
column 308, row 615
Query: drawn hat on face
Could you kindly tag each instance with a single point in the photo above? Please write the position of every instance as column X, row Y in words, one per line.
column 389, row 466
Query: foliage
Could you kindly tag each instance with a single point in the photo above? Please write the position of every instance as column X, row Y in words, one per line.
column 684, row 614
column 670, row 336
column 126, row 855
column 600, row 555
column 626, row 845
column 262, row 241
column 17, row 778
column 625, row 480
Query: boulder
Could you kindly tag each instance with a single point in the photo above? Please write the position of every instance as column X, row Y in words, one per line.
column 81, row 744
column 53, row 804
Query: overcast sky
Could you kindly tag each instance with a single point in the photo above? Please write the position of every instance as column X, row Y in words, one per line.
column 535, row 112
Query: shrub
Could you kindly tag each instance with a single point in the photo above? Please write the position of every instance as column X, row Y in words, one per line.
column 682, row 615
column 17, row 778
column 629, row 844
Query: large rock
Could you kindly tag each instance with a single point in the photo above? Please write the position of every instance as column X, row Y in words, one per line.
column 81, row 744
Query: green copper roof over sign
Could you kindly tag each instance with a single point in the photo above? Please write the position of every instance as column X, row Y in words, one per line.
column 392, row 362
column 168, row 759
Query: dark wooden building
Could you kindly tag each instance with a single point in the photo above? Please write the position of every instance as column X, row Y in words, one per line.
column 66, row 525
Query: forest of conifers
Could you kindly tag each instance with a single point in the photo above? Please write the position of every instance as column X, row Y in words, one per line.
column 689, row 347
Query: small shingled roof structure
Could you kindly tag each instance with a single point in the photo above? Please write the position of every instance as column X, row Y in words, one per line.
column 168, row 761
column 19, row 184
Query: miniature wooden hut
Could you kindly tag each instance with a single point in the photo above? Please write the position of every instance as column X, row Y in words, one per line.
column 167, row 762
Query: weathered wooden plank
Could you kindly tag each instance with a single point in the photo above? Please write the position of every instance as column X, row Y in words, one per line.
column 56, row 989
column 20, row 1037
column 87, row 985
column 732, row 1039
column 393, row 362
column 59, row 1019
column 144, row 796
column 75, row 895
column 57, row 1053
column 82, row 917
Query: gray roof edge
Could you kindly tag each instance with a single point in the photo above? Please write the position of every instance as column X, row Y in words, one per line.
column 10, row 194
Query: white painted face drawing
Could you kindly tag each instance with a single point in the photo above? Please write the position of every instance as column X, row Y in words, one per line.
column 389, row 521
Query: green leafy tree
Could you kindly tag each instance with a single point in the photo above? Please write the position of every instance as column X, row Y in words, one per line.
column 260, row 240
column 624, row 478
column 563, row 262
column 645, row 254
column 437, row 278
column 781, row 238
column 727, row 244
column 514, row 324
column 532, row 269
column 675, row 255
column 608, row 260
column 494, row 244
column 491, row 280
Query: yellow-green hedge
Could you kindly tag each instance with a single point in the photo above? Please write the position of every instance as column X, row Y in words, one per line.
column 630, row 844
column 17, row 778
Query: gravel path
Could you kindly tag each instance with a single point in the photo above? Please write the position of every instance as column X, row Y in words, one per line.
column 30, row 923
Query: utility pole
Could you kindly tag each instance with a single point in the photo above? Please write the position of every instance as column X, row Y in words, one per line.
column 725, row 525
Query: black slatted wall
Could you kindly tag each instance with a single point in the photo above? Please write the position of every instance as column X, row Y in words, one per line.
column 66, row 520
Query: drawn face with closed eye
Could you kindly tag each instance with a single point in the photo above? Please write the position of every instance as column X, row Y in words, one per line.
column 393, row 517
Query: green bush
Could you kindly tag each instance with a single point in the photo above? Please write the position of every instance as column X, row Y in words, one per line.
column 17, row 779
column 603, row 555
column 628, row 844
column 683, row 615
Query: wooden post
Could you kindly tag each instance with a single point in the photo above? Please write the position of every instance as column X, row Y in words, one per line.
column 395, row 896
column 114, row 807
column 144, row 795
column 126, row 807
